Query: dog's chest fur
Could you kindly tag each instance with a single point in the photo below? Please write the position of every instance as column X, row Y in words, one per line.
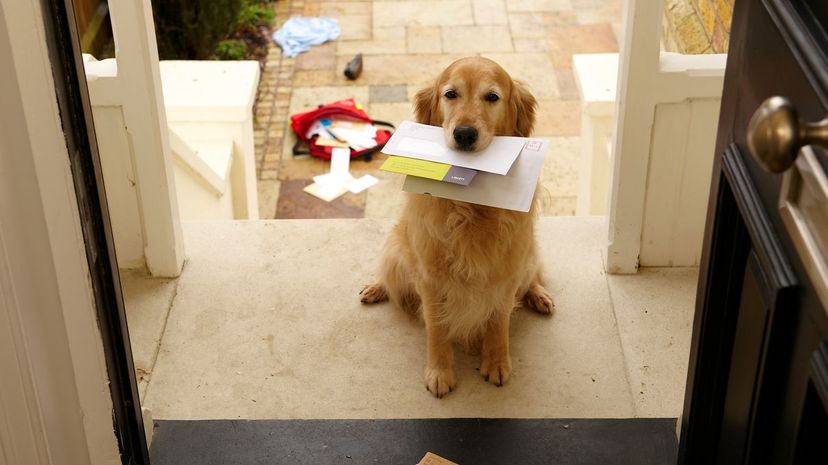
column 473, row 258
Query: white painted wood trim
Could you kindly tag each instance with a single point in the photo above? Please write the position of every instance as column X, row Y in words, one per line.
column 146, row 122
column 646, row 78
column 55, row 404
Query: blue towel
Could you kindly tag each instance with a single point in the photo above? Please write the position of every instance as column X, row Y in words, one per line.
column 298, row 34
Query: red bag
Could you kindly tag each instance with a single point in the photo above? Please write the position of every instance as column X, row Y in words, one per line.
column 342, row 109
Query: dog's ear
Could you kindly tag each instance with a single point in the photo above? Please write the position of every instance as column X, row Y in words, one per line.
column 425, row 106
column 523, row 106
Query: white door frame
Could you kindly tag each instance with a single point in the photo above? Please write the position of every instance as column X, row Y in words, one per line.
column 55, row 403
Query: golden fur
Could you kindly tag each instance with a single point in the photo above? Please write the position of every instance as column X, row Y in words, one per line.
column 465, row 267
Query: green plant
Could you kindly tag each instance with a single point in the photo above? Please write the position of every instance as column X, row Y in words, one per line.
column 254, row 14
column 191, row 29
column 231, row 49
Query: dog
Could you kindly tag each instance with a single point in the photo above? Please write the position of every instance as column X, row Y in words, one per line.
column 465, row 267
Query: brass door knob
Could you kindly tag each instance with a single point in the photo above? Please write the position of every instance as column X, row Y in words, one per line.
column 775, row 134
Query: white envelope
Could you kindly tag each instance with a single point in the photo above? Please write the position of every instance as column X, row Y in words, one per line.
column 514, row 191
column 424, row 142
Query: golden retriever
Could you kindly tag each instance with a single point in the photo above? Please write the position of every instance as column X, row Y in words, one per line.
column 465, row 267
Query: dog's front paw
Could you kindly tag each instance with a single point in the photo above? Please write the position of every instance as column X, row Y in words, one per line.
column 538, row 299
column 373, row 293
column 440, row 381
column 496, row 371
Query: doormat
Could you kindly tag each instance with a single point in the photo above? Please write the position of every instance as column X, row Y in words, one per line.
column 637, row 441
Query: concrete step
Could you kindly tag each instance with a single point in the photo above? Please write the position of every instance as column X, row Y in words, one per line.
column 265, row 322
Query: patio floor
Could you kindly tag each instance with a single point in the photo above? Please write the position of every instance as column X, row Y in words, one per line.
column 405, row 45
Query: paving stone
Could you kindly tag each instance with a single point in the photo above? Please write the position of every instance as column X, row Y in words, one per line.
column 527, row 26
column 566, row 84
column 535, row 69
column 558, row 18
column 318, row 57
column 560, row 167
column 344, row 8
column 424, row 39
column 592, row 11
column 307, row 98
column 564, row 41
column 401, row 69
column 384, row 40
column 489, row 12
column 424, row 13
column 314, row 77
column 305, row 167
column 295, row 203
column 477, row 39
column 354, row 27
column 393, row 113
column 530, row 45
column 269, row 174
column 538, row 5
column 268, row 190
column 558, row 117
column 388, row 94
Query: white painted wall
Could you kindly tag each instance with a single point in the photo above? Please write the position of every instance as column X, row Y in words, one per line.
column 55, row 405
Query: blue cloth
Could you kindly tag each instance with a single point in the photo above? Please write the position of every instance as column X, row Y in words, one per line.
column 298, row 34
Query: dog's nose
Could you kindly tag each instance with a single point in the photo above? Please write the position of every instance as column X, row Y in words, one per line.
column 465, row 136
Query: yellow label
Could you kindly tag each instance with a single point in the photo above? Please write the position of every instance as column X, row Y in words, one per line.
column 415, row 167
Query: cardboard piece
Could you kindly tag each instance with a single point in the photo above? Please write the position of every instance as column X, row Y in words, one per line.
column 424, row 142
column 514, row 191
column 429, row 170
column 434, row 459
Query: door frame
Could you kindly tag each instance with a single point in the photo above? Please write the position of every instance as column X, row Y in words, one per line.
column 69, row 393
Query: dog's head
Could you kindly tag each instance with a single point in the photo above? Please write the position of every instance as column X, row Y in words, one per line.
column 474, row 99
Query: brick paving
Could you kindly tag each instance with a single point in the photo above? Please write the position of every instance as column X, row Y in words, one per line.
column 406, row 44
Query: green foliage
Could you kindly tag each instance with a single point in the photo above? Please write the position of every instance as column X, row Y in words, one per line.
column 231, row 49
column 254, row 14
column 191, row 29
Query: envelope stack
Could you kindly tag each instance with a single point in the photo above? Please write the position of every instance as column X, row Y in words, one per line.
column 504, row 175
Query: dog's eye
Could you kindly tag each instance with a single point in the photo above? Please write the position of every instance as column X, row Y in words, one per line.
column 492, row 97
column 450, row 94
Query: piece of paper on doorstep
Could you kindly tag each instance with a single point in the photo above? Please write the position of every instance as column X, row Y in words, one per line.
column 429, row 169
column 340, row 161
column 333, row 178
column 326, row 192
column 358, row 185
column 434, row 459
column 514, row 191
column 424, row 142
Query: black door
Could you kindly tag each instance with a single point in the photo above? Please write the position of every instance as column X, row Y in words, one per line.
column 757, row 387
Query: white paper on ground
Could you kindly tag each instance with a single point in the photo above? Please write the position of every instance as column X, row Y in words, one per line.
column 326, row 192
column 333, row 178
column 340, row 160
column 358, row 185
column 514, row 191
column 424, row 142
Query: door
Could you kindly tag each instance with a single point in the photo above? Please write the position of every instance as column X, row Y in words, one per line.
column 757, row 385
